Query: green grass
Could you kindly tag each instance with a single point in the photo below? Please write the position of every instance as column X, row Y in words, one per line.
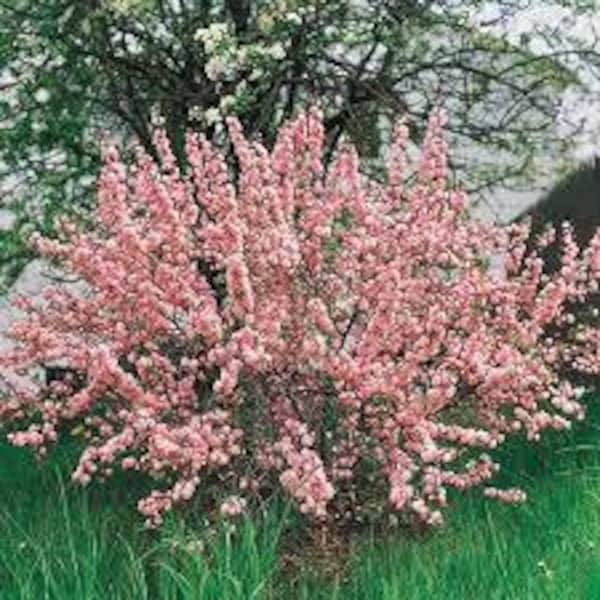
column 58, row 542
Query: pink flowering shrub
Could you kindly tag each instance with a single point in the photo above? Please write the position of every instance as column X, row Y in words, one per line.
column 304, row 327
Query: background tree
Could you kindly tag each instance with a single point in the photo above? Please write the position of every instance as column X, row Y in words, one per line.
column 72, row 69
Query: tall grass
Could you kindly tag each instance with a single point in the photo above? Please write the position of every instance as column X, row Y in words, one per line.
column 58, row 542
column 61, row 543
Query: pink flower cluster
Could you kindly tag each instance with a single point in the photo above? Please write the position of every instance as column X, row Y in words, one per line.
column 299, row 325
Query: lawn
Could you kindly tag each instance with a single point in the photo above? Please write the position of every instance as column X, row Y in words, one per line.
column 58, row 542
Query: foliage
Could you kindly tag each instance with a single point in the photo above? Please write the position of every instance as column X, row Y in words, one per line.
column 223, row 342
column 193, row 61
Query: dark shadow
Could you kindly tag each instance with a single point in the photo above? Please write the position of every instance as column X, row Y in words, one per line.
column 576, row 198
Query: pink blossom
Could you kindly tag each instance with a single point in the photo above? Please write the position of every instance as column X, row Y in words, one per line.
column 301, row 326
column 233, row 506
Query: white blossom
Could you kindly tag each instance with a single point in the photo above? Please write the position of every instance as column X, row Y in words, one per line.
column 264, row 22
column 212, row 115
column 195, row 113
column 294, row 18
column 226, row 103
column 42, row 95
column 211, row 36
column 255, row 74
column 156, row 117
column 277, row 51
column 215, row 68
column 242, row 55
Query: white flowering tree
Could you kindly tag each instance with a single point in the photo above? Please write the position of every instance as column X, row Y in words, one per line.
column 70, row 69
